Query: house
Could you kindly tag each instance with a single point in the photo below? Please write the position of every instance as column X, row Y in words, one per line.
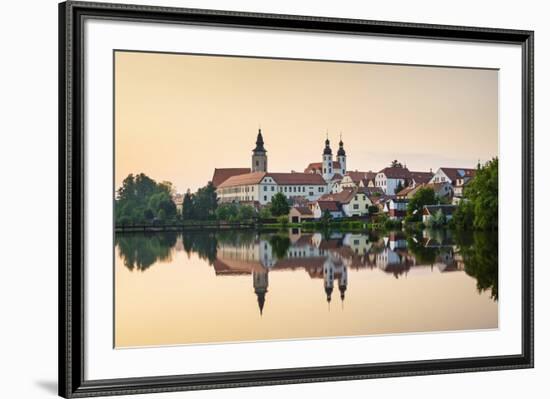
column 353, row 179
column 299, row 213
column 352, row 201
column 333, row 207
column 262, row 186
column 391, row 178
column 457, row 177
column 430, row 211
column 396, row 208
column 441, row 190
column 418, row 178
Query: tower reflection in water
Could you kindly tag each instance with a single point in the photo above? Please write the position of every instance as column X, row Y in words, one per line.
column 324, row 256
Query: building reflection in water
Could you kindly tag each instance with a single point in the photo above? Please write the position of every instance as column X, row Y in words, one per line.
column 326, row 257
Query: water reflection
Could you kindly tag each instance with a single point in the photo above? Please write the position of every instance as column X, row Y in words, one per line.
column 323, row 256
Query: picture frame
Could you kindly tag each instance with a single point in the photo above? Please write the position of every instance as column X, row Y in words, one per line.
column 72, row 207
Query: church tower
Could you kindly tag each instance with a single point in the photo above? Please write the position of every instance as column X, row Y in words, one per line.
column 328, row 167
column 259, row 155
column 342, row 157
column 260, row 287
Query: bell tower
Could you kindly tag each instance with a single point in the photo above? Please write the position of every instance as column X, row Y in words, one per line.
column 342, row 156
column 259, row 155
column 328, row 167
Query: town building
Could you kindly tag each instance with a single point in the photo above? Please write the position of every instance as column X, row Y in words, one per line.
column 332, row 207
column 457, row 177
column 392, row 179
column 442, row 190
column 351, row 201
column 298, row 214
column 258, row 185
column 330, row 170
column 396, row 208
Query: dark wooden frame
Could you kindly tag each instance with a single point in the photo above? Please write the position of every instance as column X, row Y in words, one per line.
column 71, row 199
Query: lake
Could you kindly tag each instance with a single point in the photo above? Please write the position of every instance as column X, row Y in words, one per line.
column 203, row 287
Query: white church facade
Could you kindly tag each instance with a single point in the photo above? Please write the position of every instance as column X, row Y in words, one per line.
column 259, row 185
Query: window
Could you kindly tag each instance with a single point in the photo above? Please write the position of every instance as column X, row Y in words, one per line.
column 265, row 197
column 257, row 163
column 355, row 206
column 311, row 193
column 329, row 170
column 320, row 189
column 294, row 188
column 324, row 170
column 272, row 188
column 265, row 188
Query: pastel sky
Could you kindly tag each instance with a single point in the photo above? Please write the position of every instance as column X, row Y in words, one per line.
column 177, row 117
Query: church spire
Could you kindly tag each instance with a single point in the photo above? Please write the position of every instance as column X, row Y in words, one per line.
column 259, row 154
column 341, row 151
column 259, row 142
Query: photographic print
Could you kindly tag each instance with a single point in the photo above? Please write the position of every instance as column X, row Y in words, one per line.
column 272, row 199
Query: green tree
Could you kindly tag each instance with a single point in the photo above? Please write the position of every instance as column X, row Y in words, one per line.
column 140, row 198
column 265, row 213
column 205, row 202
column 482, row 192
column 279, row 205
column 246, row 212
column 373, row 210
column 188, row 206
column 227, row 212
column 326, row 218
column 424, row 196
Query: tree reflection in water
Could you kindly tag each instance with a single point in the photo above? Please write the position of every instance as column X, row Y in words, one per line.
column 323, row 255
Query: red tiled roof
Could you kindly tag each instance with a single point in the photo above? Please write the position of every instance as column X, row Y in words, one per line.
column 318, row 166
column 241, row 179
column 279, row 178
column 222, row 174
column 421, row 177
column 458, row 173
column 297, row 178
column 303, row 210
column 357, row 176
column 344, row 197
column 331, row 206
column 396, row 173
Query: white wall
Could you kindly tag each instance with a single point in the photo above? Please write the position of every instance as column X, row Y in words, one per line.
column 28, row 164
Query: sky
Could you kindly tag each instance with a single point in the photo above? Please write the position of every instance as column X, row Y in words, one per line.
column 178, row 116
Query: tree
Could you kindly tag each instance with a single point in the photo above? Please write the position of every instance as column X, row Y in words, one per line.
column 140, row 199
column 424, row 196
column 265, row 213
column 227, row 212
column 206, row 202
column 482, row 192
column 246, row 212
column 279, row 205
column 399, row 187
column 479, row 208
column 326, row 218
column 373, row 210
column 396, row 164
column 188, row 206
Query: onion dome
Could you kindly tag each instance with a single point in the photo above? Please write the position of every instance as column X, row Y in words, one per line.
column 327, row 150
column 341, row 151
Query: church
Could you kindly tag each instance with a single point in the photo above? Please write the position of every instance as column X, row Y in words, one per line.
column 258, row 185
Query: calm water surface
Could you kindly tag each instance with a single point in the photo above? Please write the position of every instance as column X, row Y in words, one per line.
column 174, row 288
